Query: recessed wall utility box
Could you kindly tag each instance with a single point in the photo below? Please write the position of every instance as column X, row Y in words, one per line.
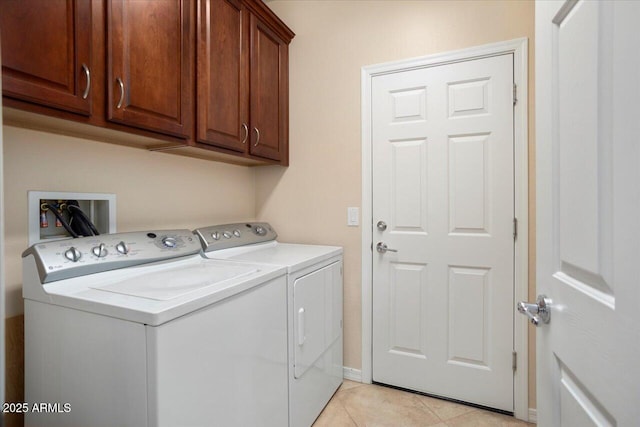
column 99, row 207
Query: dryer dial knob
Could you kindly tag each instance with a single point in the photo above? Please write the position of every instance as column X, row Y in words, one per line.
column 100, row 251
column 122, row 248
column 169, row 242
column 72, row 254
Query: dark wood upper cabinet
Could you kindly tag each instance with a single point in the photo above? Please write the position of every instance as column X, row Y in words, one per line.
column 242, row 74
column 269, row 93
column 46, row 53
column 223, row 74
column 150, row 82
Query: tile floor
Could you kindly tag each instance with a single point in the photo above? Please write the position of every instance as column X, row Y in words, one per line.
column 359, row 405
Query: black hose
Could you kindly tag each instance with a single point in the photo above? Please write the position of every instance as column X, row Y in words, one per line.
column 79, row 220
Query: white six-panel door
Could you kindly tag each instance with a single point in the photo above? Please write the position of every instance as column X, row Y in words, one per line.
column 443, row 183
column 588, row 210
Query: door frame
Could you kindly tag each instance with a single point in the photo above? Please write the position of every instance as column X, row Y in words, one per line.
column 517, row 47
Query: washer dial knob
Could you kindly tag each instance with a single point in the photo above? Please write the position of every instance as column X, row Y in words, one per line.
column 226, row 235
column 236, row 233
column 169, row 242
column 215, row 235
column 122, row 248
column 260, row 230
column 72, row 254
column 100, row 251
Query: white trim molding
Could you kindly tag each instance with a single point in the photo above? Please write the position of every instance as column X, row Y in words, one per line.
column 352, row 374
column 517, row 47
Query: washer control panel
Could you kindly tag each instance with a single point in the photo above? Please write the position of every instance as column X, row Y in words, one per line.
column 225, row 236
column 63, row 259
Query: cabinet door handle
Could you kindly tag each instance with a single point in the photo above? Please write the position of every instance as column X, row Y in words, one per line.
column 121, row 84
column 246, row 133
column 257, row 137
column 87, row 73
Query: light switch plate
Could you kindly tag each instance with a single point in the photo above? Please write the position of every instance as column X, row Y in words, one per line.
column 353, row 217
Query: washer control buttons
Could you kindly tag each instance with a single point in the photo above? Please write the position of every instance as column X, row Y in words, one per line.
column 215, row 235
column 122, row 248
column 236, row 233
column 169, row 242
column 100, row 251
column 226, row 235
column 72, row 254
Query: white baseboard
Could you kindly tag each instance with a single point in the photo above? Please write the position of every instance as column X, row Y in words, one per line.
column 533, row 415
column 352, row 374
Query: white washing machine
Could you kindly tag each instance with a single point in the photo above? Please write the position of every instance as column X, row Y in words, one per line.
column 314, row 307
column 138, row 329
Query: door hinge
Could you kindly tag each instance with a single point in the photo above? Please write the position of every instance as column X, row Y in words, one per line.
column 515, row 228
column 514, row 361
column 515, row 94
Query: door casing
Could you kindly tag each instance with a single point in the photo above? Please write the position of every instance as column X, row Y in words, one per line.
column 518, row 47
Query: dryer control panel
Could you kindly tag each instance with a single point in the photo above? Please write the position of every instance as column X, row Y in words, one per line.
column 225, row 236
column 63, row 259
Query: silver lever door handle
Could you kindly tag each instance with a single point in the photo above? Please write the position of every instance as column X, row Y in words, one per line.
column 538, row 312
column 382, row 248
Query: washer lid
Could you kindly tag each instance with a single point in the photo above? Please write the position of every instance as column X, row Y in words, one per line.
column 176, row 282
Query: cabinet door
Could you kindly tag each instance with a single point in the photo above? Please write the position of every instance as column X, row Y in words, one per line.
column 150, row 54
column 46, row 52
column 269, row 93
column 223, row 74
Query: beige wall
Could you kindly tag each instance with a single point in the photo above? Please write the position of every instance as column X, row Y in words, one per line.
column 153, row 190
column 308, row 201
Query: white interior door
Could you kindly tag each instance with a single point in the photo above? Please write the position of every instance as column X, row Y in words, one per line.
column 442, row 165
column 587, row 113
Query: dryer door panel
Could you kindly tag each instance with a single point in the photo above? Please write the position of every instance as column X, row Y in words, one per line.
column 316, row 323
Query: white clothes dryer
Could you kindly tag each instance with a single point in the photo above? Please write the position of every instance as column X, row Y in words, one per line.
column 139, row 329
column 314, row 307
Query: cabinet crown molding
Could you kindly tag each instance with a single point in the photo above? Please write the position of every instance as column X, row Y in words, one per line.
column 258, row 7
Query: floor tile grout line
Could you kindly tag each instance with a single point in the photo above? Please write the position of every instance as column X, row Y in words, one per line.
column 420, row 402
column 353, row 421
column 444, row 420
